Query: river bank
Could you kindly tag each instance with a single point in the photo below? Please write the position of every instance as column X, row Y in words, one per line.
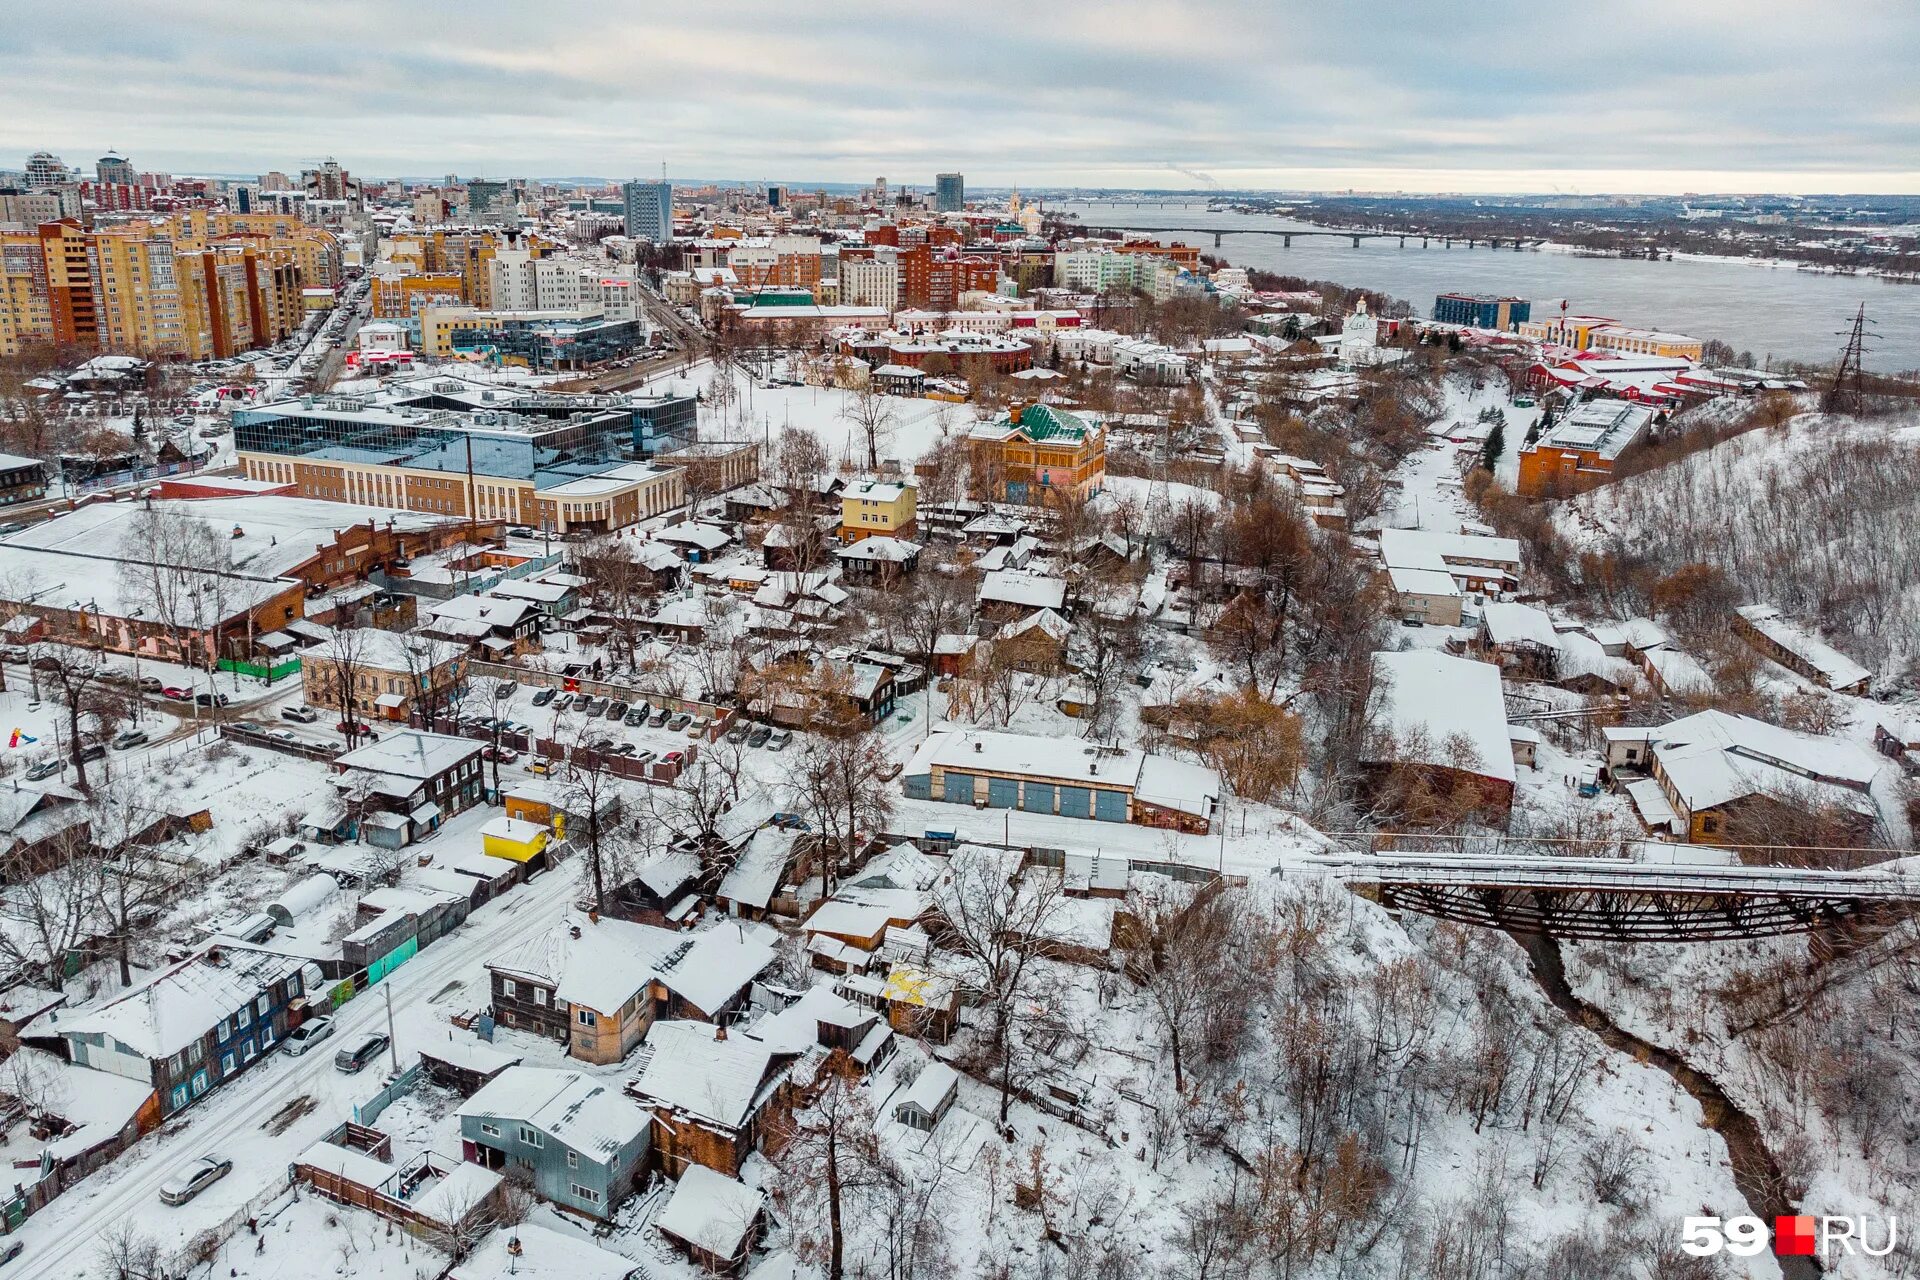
column 1755, row 1170
column 1767, row 307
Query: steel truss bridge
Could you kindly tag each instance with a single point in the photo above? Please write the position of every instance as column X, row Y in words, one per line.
column 1610, row 899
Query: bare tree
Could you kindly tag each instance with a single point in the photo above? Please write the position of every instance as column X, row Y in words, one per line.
column 435, row 672
column 994, row 923
column 137, row 877
column 86, row 691
column 1182, row 950
column 342, row 665
column 829, row 1156
column 839, row 788
column 870, row 410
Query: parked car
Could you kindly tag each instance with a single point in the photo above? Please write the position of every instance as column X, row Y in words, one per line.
column 601, row 746
column 594, row 706
column 625, row 749
column 673, row 757
column 365, row 731
column 299, row 715
column 540, row 768
column 759, row 736
column 150, row 684
column 286, row 737
column 127, row 739
column 308, row 1034
column 93, row 751
column 637, row 717
column 738, row 734
column 698, row 729
column 12, row 1250
column 178, row 694
column 543, row 697
column 618, row 711
column 506, row 688
column 507, row 755
column 781, row 740
column 679, row 722
column 14, row 653
column 212, row 699
column 194, row 1179
column 563, row 702
column 646, row 757
column 355, row 1057
column 44, row 770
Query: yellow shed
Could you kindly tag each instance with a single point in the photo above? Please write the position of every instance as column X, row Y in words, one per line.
column 513, row 839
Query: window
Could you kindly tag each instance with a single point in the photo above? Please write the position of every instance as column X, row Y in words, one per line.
column 507, row 988
column 587, row 1018
column 540, row 996
column 244, row 1018
column 1709, row 825
column 264, row 1003
column 529, row 1137
column 587, row 1194
column 573, row 1159
column 226, row 1064
column 491, row 1130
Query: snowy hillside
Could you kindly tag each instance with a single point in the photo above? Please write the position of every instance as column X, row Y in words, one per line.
column 1819, row 517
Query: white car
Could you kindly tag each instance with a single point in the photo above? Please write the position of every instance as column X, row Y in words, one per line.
column 194, row 1179
column 308, row 1034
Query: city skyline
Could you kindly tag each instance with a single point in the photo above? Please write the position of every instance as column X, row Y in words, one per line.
column 1718, row 98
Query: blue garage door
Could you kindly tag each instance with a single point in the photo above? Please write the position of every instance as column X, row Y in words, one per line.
column 1001, row 792
column 1038, row 797
column 918, row 786
column 1076, row 802
column 1110, row 806
column 959, row 787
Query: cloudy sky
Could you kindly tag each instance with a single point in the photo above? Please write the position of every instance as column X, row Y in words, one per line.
column 1490, row 95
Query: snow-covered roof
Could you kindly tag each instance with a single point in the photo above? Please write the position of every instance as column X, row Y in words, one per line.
column 172, row 1008
column 1432, row 549
column 796, row 1028
column 601, row 969
column 1430, row 699
column 692, row 1068
column 1167, row 783
column 756, row 871
column 718, row 964
column 711, row 1212
column 1035, row 591
column 880, row 548
column 356, row 1167
column 1510, row 623
column 573, row 1109
column 452, row 1198
column 410, row 753
column 541, row 1253
column 929, row 1089
column 1836, row 669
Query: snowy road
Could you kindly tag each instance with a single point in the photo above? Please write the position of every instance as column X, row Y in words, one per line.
column 62, row 1240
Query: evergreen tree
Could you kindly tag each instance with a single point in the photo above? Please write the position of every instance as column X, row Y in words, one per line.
column 1495, row 446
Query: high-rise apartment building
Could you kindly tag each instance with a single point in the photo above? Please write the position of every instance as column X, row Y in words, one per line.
column 649, row 210
column 949, row 193
column 491, row 203
column 193, row 285
column 115, row 169
column 44, row 169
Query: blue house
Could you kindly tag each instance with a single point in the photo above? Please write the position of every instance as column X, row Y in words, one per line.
column 190, row 1027
column 583, row 1142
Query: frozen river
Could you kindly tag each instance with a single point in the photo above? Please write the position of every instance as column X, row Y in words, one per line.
column 1770, row 310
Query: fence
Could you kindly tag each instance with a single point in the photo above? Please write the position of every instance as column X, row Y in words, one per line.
column 320, row 751
column 264, row 1206
column 368, row 1112
column 257, row 671
column 133, row 475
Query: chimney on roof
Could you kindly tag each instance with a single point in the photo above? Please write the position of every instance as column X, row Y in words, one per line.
column 978, row 747
column 574, row 930
column 719, row 1033
column 593, row 917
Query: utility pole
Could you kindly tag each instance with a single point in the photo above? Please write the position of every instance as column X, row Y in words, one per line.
column 393, row 1045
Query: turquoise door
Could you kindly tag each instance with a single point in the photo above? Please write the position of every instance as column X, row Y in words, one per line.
column 1076, row 802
